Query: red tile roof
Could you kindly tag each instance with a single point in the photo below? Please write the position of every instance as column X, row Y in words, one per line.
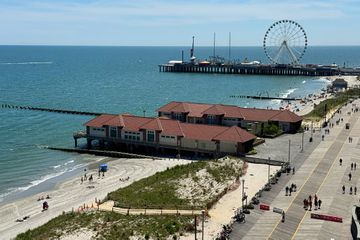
column 99, row 121
column 234, row 134
column 250, row 114
column 173, row 127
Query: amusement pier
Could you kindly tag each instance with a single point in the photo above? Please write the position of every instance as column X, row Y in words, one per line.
column 284, row 44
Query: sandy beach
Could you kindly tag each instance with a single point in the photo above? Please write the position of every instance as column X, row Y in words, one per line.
column 307, row 105
column 72, row 194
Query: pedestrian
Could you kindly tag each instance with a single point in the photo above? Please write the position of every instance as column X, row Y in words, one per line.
column 319, row 203
column 349, row 139
column 286, row 190
column 293, row 170
column 350, row 190
column 322, row 137
column 355, row 190
column 354, row 166
column 290, row 191
column 310, row 205
column 343, row 188
column 305, row 203
column 316, row 204
column 85, row 177
column 315, row 198
column 340, row 161
column 283, row 216
column 350, row 176
column 82, row 180
column 351, row 165
column 310, row 198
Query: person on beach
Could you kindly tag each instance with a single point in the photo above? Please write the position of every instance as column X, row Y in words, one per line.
column 82, row 180
column 85, row 177
column 319, row 203
column 99, row 172
column 90, row 178
column 351, row 166
column 343, row 188
column 340, row 161
column 350, row 176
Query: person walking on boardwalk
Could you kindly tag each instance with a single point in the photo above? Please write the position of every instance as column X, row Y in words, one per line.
column 340, row 161
column 305, row 203
column 283, row 216
column 350, row 190
column 351, row 166
column 350, row 176
column 315, row 204
column 343, row 188
column 319, row 203
column 293, row 170
column 286, row 190
column 355, row 190
column 290, row 191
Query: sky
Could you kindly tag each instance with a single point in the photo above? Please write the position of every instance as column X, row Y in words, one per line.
column 173, row 22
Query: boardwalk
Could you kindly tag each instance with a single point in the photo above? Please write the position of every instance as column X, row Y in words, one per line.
column 319, row 174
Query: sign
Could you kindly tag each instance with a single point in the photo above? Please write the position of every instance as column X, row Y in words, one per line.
column 264, row 207
column 277, row 210
column 327, row 217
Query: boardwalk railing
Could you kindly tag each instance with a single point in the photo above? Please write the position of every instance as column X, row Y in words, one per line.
column 263, row 161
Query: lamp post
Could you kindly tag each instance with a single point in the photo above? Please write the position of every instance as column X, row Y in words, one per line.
column 202, row 227
column 269, row 171
column 289, row 152
column 302, row 142
column 242, row 194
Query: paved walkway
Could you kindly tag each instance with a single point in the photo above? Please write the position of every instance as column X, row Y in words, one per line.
column 319, row 174
column 109, row 206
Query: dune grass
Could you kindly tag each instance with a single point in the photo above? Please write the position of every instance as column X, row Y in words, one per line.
column 111, row 226
column 157, row 191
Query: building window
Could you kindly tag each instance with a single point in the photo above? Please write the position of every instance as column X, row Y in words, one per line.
column 113, row 132
column 150, row 136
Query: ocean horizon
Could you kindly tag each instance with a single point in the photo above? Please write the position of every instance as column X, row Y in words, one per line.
column 115, row 79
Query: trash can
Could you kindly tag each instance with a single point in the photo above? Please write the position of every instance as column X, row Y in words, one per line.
column 103, row 167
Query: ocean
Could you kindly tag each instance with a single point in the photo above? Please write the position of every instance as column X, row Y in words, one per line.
column 114, row 80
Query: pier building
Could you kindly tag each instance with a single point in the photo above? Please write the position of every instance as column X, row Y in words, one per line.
column 230, row 115
column 133, row 132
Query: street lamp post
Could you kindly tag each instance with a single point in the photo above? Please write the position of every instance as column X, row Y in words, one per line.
column 242, row 194
column 203, row 219
column 302, row 142
column 269, row 172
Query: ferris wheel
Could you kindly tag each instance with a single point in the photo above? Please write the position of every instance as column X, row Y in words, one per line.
column 285, row 42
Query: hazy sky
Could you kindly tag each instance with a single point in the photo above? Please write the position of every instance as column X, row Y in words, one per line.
column 173, row 22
